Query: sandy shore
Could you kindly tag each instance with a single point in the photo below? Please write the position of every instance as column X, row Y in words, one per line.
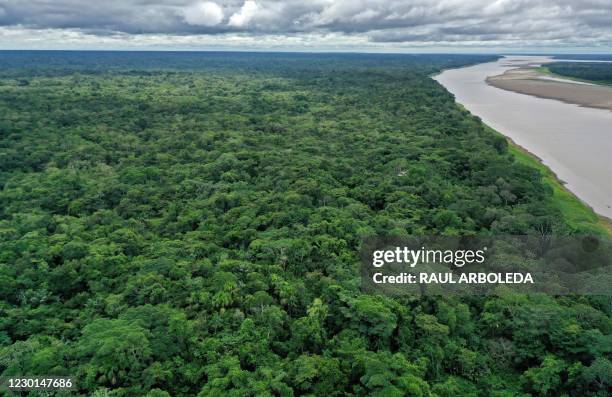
column 527, row 80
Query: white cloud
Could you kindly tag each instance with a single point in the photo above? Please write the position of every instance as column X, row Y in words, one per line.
column 381, row 23
column 63, row 39
column 245, row 15
column 204, row 13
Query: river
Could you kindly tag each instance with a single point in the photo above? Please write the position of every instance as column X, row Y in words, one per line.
column 574, row 142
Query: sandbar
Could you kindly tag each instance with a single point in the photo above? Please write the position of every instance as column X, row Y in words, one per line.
column 528, row 80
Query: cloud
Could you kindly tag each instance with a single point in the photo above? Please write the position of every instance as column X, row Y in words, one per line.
column 377, row 22
column 245, row 15
column 205, row 13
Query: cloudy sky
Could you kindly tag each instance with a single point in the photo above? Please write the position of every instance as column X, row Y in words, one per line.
column 309, row 25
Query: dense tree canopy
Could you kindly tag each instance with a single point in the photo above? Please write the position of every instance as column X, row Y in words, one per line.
column 190, row 225
column 595, row 72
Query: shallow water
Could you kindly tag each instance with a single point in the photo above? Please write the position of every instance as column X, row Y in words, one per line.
column 574, row 142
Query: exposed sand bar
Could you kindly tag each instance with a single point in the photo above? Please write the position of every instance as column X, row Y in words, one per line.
column 527, row 80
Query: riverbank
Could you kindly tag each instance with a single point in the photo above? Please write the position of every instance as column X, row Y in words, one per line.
column 572, row 141
column 576, row 213
column 528, row 80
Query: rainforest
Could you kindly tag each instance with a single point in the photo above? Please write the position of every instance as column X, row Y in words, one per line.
column 182, row 224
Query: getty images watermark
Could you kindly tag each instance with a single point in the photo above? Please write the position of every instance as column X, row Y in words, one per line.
column 478, row 265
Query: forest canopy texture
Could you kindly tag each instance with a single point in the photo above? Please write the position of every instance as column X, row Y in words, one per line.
column 596, row 72
column 180, row 224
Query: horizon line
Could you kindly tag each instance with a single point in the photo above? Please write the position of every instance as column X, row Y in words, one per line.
column 270, row 51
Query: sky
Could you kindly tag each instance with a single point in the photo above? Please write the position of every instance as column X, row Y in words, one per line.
column 534, row 26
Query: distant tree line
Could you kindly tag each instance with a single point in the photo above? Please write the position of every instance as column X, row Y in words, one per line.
column 595, row 72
